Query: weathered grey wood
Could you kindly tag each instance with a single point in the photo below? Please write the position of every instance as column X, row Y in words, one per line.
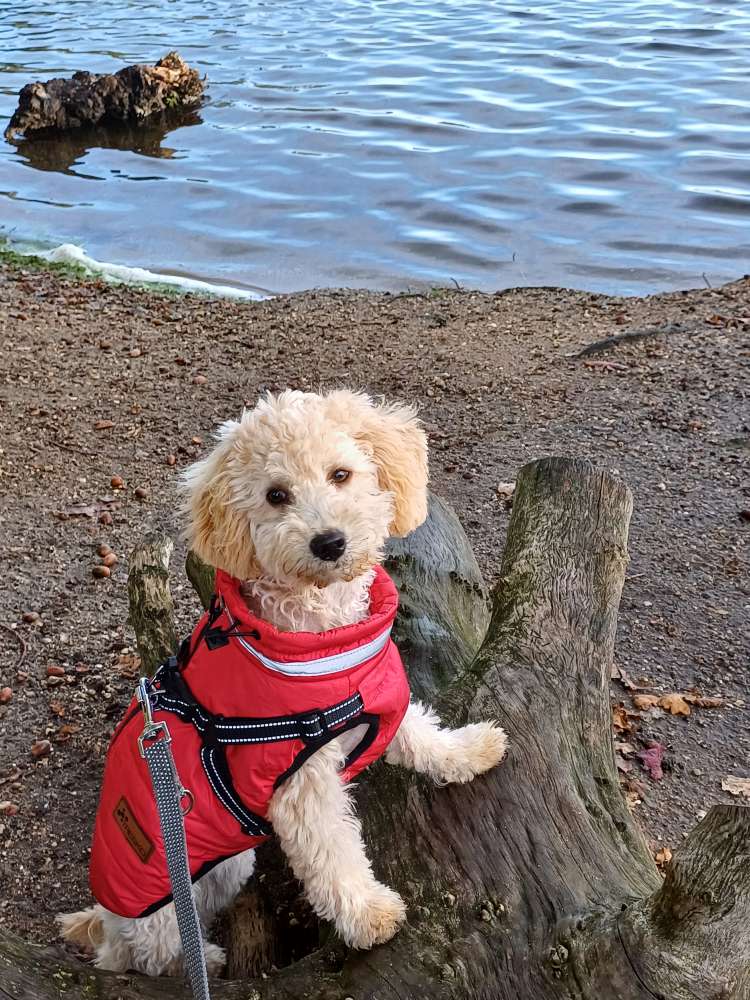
column 444, row 606
column 692, row 937
column 132, row 94
column 201, row 575
column 150, row 599
column 532, row 882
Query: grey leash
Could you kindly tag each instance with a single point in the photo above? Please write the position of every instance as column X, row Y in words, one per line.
column 155, row 746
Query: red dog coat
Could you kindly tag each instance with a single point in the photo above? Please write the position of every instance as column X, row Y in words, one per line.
column 246, row 705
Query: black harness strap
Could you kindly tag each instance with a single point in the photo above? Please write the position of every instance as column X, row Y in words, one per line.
column 315, row 728
column 174, row 695
column 214, row 760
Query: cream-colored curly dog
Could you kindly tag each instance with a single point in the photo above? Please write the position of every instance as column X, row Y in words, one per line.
column 298, row 465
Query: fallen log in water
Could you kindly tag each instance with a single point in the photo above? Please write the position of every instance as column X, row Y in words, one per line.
column 88, row 99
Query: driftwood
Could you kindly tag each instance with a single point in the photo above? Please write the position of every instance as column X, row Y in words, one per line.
column 532, row 882
column 89, row 99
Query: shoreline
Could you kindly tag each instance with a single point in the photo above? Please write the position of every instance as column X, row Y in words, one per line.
column 109, row 380
column 70, row 260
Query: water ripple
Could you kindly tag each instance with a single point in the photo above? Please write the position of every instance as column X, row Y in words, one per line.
column 400, row 142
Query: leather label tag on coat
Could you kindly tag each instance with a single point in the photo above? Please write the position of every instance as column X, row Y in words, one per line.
column 132, row 830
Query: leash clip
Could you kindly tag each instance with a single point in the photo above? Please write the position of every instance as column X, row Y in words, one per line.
column 151, row 730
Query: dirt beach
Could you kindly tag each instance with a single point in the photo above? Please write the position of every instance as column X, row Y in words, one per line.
column 100, row 382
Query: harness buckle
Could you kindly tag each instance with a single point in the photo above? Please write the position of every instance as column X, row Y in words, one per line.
column 152, row 730
column 313, row 719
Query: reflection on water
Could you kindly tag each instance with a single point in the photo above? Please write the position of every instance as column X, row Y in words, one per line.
column 399, row 142
column 45, row 150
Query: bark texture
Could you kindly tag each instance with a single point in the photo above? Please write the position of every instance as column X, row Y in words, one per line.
column 151, row 607
column 692, row 937
column 130, row 95
column 201, row 576
column 532, row 882
column 444, row 607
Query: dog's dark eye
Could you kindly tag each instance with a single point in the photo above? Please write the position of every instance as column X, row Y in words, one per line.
column 277, row 496
column 340, row 475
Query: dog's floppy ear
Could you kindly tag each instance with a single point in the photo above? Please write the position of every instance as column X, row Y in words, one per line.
column 216, row 530
column 393, row 435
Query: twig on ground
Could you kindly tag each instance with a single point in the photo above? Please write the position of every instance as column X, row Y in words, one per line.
column 21, row 641
column 600, row 346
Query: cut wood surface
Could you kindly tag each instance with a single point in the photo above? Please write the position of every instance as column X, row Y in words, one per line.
column 532, row 882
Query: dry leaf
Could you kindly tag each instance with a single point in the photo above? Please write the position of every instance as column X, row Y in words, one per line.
column 83, row 509
column 624, row 748
column 623, row 765
column 129, row 665
column 736, row 786
column 675, row 704
column 621, row 719
column 632, row 799
column 65, row 732
column 643, row 701
column 634, row 792
column 78, row 510
column 652, row 759
column 663, row 856
column 103, row 425
column 703, row 702
column 57, row 708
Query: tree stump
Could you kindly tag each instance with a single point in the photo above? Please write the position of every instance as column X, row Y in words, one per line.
column 201, row 576
column 150, row 599
column 532, row 882
column 132, row 94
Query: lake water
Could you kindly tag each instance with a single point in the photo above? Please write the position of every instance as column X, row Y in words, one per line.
column 401, row 143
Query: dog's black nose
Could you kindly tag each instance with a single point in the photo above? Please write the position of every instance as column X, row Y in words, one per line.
column 328, row 546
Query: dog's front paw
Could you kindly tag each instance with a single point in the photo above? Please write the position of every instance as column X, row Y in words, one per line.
column 476, row 748
column 372, row 919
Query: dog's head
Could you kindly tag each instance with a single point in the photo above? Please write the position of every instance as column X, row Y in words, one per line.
column 307, row 488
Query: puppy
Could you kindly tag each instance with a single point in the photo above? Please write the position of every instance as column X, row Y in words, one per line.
column 293, row 506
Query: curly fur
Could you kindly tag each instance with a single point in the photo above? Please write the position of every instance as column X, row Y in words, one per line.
column 295, row 441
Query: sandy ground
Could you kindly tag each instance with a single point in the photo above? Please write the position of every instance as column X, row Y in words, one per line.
column 99, row 381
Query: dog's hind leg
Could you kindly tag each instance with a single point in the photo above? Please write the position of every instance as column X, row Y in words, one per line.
column 446, row 755
column 313, row 816
column 152, row 944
